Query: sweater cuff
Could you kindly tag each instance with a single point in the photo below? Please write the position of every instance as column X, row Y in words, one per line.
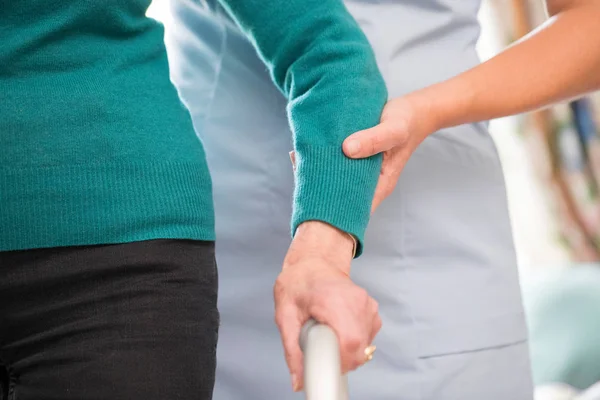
column 334, row 189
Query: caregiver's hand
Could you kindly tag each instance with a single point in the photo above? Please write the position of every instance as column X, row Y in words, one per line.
column 315, row 283
column 405, row 123
column 558, row 61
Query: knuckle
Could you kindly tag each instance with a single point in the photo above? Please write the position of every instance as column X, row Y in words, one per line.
column 375, row 143
column 279, row 288
column 279, row 318
column 284, row 313
column 351, row 343
column 378, row 324
column 318, row 309
column 361, row 293
column 375, row 306
column 379, row 137
column 364, row 298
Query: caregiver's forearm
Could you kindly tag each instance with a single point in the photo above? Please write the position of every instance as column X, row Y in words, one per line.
column 558, row 61
column 323, row 63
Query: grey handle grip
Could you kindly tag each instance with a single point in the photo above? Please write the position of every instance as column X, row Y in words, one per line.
column 323, row 379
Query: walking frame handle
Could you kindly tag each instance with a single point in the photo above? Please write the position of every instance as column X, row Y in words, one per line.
column 323, row 379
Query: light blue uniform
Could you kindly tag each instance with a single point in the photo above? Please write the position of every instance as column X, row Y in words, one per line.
column 439, row 252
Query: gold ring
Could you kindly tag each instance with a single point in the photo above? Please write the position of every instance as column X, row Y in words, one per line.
column 369, row 352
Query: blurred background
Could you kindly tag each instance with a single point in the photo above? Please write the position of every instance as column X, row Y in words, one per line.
column 551, row 166
column 551, row 162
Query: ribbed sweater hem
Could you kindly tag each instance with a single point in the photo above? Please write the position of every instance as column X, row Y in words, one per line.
column 107, row 203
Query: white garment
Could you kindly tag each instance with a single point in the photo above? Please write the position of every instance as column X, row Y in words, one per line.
column 439, row 252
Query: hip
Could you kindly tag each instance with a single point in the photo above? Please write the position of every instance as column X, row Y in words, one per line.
column 140, row 316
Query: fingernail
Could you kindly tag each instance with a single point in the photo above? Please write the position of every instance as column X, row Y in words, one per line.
column 352, row 147
column 295, row 383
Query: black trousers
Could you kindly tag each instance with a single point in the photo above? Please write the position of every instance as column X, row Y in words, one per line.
column 129, row 321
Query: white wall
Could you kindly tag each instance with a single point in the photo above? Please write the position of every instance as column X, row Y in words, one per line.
column 534, row 225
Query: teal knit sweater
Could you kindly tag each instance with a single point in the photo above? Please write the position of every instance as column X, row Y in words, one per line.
column 97, row 148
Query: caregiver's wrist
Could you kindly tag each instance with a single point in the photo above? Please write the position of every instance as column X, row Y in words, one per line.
column 319, row 239
column 445, row 104
column 424, row 112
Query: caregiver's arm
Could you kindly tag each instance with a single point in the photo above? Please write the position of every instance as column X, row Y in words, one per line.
column 320, row 59
column 558, row 61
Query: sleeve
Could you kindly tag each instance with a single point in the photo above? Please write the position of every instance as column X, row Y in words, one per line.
column 320, row 59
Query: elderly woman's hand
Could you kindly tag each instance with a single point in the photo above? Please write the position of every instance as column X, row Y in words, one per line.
column 315, row 283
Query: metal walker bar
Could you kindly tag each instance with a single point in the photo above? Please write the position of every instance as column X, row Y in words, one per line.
column 323, row 379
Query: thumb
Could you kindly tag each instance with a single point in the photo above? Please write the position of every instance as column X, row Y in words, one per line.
column 289, row 324
column 371, row 141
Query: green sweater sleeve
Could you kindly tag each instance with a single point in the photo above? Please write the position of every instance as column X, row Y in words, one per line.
column 321, row 60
